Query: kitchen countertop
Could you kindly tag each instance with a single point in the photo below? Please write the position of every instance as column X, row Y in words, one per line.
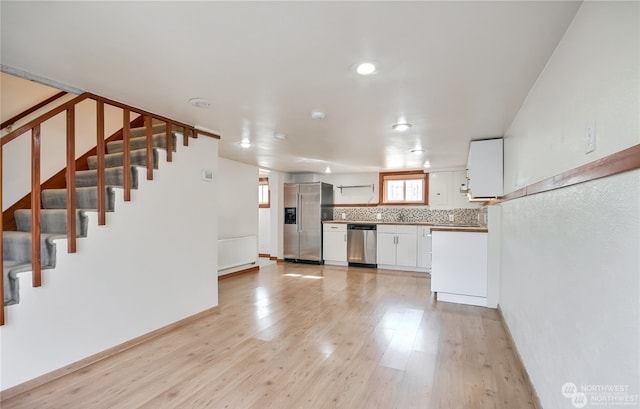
column 435, row 226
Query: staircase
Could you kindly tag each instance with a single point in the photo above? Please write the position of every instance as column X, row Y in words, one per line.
column 111, row 168
column 53, row 214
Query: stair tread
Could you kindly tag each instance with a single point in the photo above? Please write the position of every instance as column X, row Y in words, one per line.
column 53, row 221
column 158, row 141
column 138, row 158
column 86, row 198
column 142, row 130
column 113, row 177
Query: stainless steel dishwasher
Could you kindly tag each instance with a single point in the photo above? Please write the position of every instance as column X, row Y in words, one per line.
column 361, row 245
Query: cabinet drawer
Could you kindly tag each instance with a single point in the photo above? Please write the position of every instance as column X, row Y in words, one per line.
column 386, row 228
column 401, row 229
column 334, row 227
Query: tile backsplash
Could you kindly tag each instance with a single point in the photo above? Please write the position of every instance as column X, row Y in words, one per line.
column 408, row 214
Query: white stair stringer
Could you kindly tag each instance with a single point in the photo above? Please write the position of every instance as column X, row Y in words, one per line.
column 154, row 263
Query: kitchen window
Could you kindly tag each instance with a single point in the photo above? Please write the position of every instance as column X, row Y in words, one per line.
column 264, row 195
column 407, row 187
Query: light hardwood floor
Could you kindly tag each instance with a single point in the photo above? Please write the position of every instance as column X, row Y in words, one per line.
column 301, row 336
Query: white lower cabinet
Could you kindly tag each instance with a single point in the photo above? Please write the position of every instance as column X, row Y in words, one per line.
column 334, row 243
column 397, row 247
column 459, row 271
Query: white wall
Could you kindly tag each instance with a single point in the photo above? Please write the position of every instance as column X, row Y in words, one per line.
column 569, row 258
column 17, row 95
column 264, row 230
column 154, row 263
column 348, row 195
column 592, row 76
column 237, row 200
column 238, row 211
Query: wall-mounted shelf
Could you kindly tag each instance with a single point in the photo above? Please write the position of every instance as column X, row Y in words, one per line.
column 356, row 187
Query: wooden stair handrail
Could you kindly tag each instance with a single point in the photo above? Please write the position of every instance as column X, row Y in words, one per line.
column 33, row 109
column 87, row 95
column 69, row 107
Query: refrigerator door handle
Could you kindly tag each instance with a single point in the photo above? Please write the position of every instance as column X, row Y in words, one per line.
column 299, row 206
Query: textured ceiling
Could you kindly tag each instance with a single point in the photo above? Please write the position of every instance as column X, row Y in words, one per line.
column 456, row 70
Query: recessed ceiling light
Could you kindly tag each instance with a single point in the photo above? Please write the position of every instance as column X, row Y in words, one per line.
column 366, row 68
column 401, row 127
column 245, row 144
column 426, row 164
column 318, row 115
column 200, row 102
column 279, row 136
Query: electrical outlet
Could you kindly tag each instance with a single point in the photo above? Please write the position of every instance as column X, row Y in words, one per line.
column 379, row 216
column 344, row 216
column 451, row 218
column 590, row 137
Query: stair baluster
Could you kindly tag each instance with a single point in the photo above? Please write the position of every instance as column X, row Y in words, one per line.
column 149, row 134
column 36, row 256
column 126, row 153
column 71, row 180
column 102, row 212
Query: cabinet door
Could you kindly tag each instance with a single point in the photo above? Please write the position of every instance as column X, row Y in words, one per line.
column 485, row 165
column 406, row 250
column 335, row 246
column 459, row 263
column 439, row 183
column 424, row 247
column 386, row 249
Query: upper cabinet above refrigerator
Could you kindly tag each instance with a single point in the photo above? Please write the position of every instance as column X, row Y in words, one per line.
column 485, row 169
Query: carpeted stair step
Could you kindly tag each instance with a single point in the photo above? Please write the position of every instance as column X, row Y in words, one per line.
column 86, row 198
column 112, row 177
column 156, row 128
column 159, row 141
column 16, row 246
column 112, row 160
column 53, row 221
column 10, row 269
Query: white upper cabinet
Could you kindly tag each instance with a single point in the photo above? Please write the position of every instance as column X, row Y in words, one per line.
column 444, row 190
column 485, row 168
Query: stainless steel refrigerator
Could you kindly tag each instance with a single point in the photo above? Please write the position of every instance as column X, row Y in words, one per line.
column 306, row 205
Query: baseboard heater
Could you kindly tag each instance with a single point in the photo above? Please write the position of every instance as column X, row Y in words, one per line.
column 237, row 251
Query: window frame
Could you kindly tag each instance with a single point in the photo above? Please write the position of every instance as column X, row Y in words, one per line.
column 267, row 204
column 404, row 176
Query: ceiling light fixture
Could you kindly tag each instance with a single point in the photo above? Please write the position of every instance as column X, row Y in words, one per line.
column 200, row 102
column 417, row 151
column 366, row 68
column 426, row 165
column 327, row 170
column 245, row 144
column 318, row 115
column 279, row 136
column 401, row 126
